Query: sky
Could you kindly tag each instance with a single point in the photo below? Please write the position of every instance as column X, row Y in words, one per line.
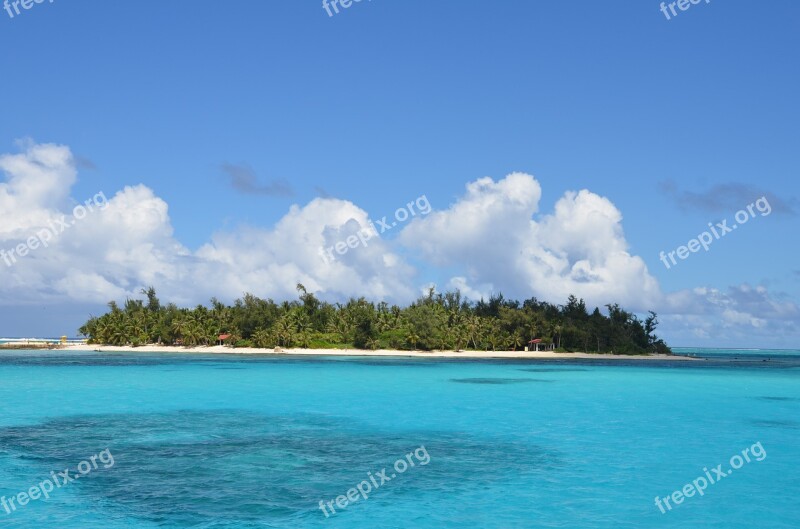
column 534, row 148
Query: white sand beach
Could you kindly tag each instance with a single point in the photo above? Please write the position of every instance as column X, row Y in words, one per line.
column 219, row 349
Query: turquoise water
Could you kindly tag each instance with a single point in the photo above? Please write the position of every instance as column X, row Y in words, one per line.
column 234, row 441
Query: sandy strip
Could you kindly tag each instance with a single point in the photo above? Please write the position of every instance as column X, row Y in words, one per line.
column 218, row 349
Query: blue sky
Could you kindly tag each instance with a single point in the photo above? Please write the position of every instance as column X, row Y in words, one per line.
column 676, row 123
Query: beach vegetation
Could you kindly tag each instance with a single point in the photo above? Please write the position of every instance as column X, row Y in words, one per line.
column 435, row 321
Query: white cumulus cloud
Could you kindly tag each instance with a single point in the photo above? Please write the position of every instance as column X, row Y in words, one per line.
column 579, row 249
column 492, row 239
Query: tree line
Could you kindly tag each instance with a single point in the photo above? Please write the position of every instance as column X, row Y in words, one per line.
column 435, row 321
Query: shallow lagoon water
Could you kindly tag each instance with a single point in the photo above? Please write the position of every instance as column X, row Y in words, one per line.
column 239, row 441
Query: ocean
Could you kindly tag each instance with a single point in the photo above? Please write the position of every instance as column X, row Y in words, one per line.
column 235, row 441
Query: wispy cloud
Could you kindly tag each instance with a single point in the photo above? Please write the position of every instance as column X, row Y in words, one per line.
column 322, row 193
column 81, row 162
column 244, row 180
column 724, row 198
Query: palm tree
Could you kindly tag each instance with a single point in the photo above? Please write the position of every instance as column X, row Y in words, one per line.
column 493, row 333
column 475, row 329
column 460, row 337
column 384, row 322
column 534, row 328
column 179, row 325
column 192, row 334
column 210, row 332
column 340, row 326
column 264, row 338
column 234, row 337
column 303, row 326
column 557, row 330
column 285, row 331
column 103, row 330
column 412, row 338
column 118, row 335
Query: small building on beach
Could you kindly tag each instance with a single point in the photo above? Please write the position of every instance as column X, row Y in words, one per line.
column 537, row 345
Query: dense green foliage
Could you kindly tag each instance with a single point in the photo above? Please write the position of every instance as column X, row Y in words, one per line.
column 435, row 321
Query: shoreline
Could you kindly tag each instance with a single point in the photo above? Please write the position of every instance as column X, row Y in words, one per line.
column 220, row 349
